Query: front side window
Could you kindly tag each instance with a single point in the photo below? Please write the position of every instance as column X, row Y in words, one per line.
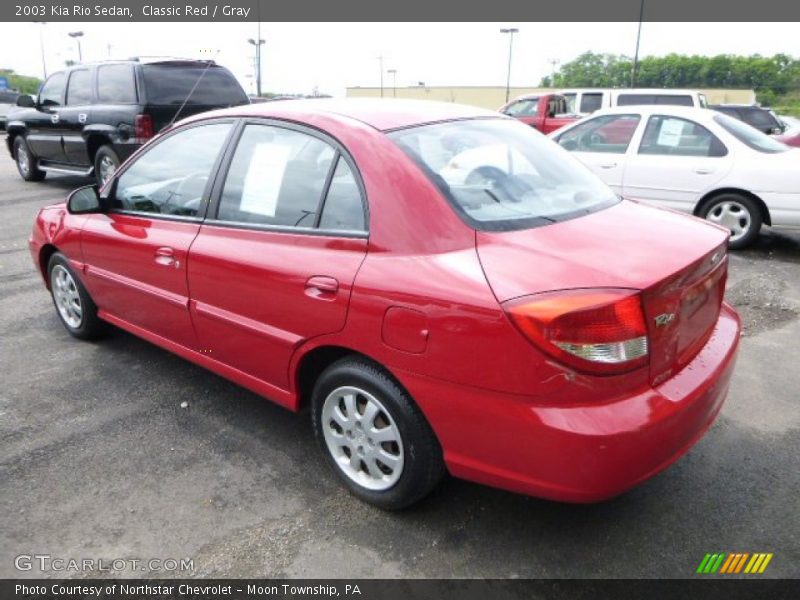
column 591, row 102
column 674, row 136
column 749, row 136
column 570, row 97
column 79, row 89
column 277, row 177
column 170, row 178
column 498, row 174
column 610, row 133
column 115, row 84
column 53, row 90
column 523, row 108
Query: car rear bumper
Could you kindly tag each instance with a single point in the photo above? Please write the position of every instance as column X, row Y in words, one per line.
column 579, row 453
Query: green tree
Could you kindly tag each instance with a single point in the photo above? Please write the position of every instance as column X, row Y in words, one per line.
column 22, row 83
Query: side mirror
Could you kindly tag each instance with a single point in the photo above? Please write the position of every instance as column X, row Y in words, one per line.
column 85, row 200
column 25, row 101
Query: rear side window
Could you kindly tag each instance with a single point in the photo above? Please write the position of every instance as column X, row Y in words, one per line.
column 635, row 99
column 277, row 177
column 674, row 100
column 679, row 137
column 115, row 84
column 174, row 84
column 53, row 90
column 79, row 89
column 749, row 136
column 343, row 209
column 591, row 102
column 760, row 119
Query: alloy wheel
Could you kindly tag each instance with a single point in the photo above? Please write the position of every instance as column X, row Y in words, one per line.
column 363, row 438
column 67, row 297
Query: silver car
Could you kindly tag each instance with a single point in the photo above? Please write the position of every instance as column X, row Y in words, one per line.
column 8, row 101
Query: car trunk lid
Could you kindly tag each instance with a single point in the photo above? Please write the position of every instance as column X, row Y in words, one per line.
column 678, row 264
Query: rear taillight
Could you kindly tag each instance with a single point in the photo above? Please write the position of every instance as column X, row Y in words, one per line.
column 143, row 128
column 600, row 331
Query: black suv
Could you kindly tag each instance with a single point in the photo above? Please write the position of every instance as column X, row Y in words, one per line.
column 762, row 119
column 89, row 118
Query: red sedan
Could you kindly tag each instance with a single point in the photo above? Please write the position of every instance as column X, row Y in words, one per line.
column 790, row 138
column 445, row 288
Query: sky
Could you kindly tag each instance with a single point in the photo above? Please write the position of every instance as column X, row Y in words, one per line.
column 328, row 57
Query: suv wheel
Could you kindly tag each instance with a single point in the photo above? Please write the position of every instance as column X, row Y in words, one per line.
column 374, row 436
column 26, row 162
column 106, row 162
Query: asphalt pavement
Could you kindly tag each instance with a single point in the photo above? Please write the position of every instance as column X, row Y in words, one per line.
column 99, row 460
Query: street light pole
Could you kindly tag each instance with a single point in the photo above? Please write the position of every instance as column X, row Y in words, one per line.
column 257, row 43
column 394, row 81
column 636, row 55
column 510, row 31
column 77, row 35
column 41, row 46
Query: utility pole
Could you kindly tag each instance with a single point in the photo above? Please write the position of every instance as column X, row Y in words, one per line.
column 77, row 35
column 553, row 62
column 510, row 31
column 393, row 73
column 636, row 55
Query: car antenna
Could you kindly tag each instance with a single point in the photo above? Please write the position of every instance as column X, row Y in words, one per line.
column 194, row 87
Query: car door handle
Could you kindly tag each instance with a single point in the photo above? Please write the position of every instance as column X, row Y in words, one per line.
column 608, row 165
column 704, row 171
column 166, row 257
column 322, row 287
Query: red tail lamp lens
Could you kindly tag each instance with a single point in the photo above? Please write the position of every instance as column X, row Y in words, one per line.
column 601, row 331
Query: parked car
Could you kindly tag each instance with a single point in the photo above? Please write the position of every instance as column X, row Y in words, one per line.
column 761, row 118
column 585, row 101
column 544, row 112
column 8, row 100
column 90, row 117
column 340, row 255
column 694, row 160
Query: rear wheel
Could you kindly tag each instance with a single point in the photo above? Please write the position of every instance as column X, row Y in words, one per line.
column 737, row 213
column 26, row 162
column 374, row 436
column 106, row 162
column 74, row 306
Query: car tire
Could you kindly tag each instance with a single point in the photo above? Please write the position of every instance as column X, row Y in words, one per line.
column 738, row 213
column 26, row 161
column 378, row 422
column 106, row 162
column 74, row 306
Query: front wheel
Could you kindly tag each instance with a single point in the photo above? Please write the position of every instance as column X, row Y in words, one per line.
column 74, row 306
column 26, row 162
column 737, row 213
column 374, row 436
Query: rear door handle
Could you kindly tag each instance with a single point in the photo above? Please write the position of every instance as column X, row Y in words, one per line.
column 166, row 257
column 322, row 286
column 608, row 165
column 704, row 171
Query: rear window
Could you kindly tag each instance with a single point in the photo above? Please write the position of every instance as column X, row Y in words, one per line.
column 591, row 102
column 172, row 84
column 749, row 136
column 500, row 175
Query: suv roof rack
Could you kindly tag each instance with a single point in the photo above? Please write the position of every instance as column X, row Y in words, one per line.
column 165, row 59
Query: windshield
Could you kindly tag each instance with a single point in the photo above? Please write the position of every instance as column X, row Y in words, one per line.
column 501, row 175
column 750, row 136
column 171, row 84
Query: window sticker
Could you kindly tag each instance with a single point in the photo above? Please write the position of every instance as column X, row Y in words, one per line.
column 264, row 179
column 670, row 133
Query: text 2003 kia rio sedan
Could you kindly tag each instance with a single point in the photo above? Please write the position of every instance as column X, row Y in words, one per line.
column 444, row 287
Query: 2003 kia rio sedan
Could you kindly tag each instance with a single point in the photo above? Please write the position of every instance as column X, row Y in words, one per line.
column 445, row 288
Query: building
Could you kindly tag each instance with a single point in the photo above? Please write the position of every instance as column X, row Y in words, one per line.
column 494, row 97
